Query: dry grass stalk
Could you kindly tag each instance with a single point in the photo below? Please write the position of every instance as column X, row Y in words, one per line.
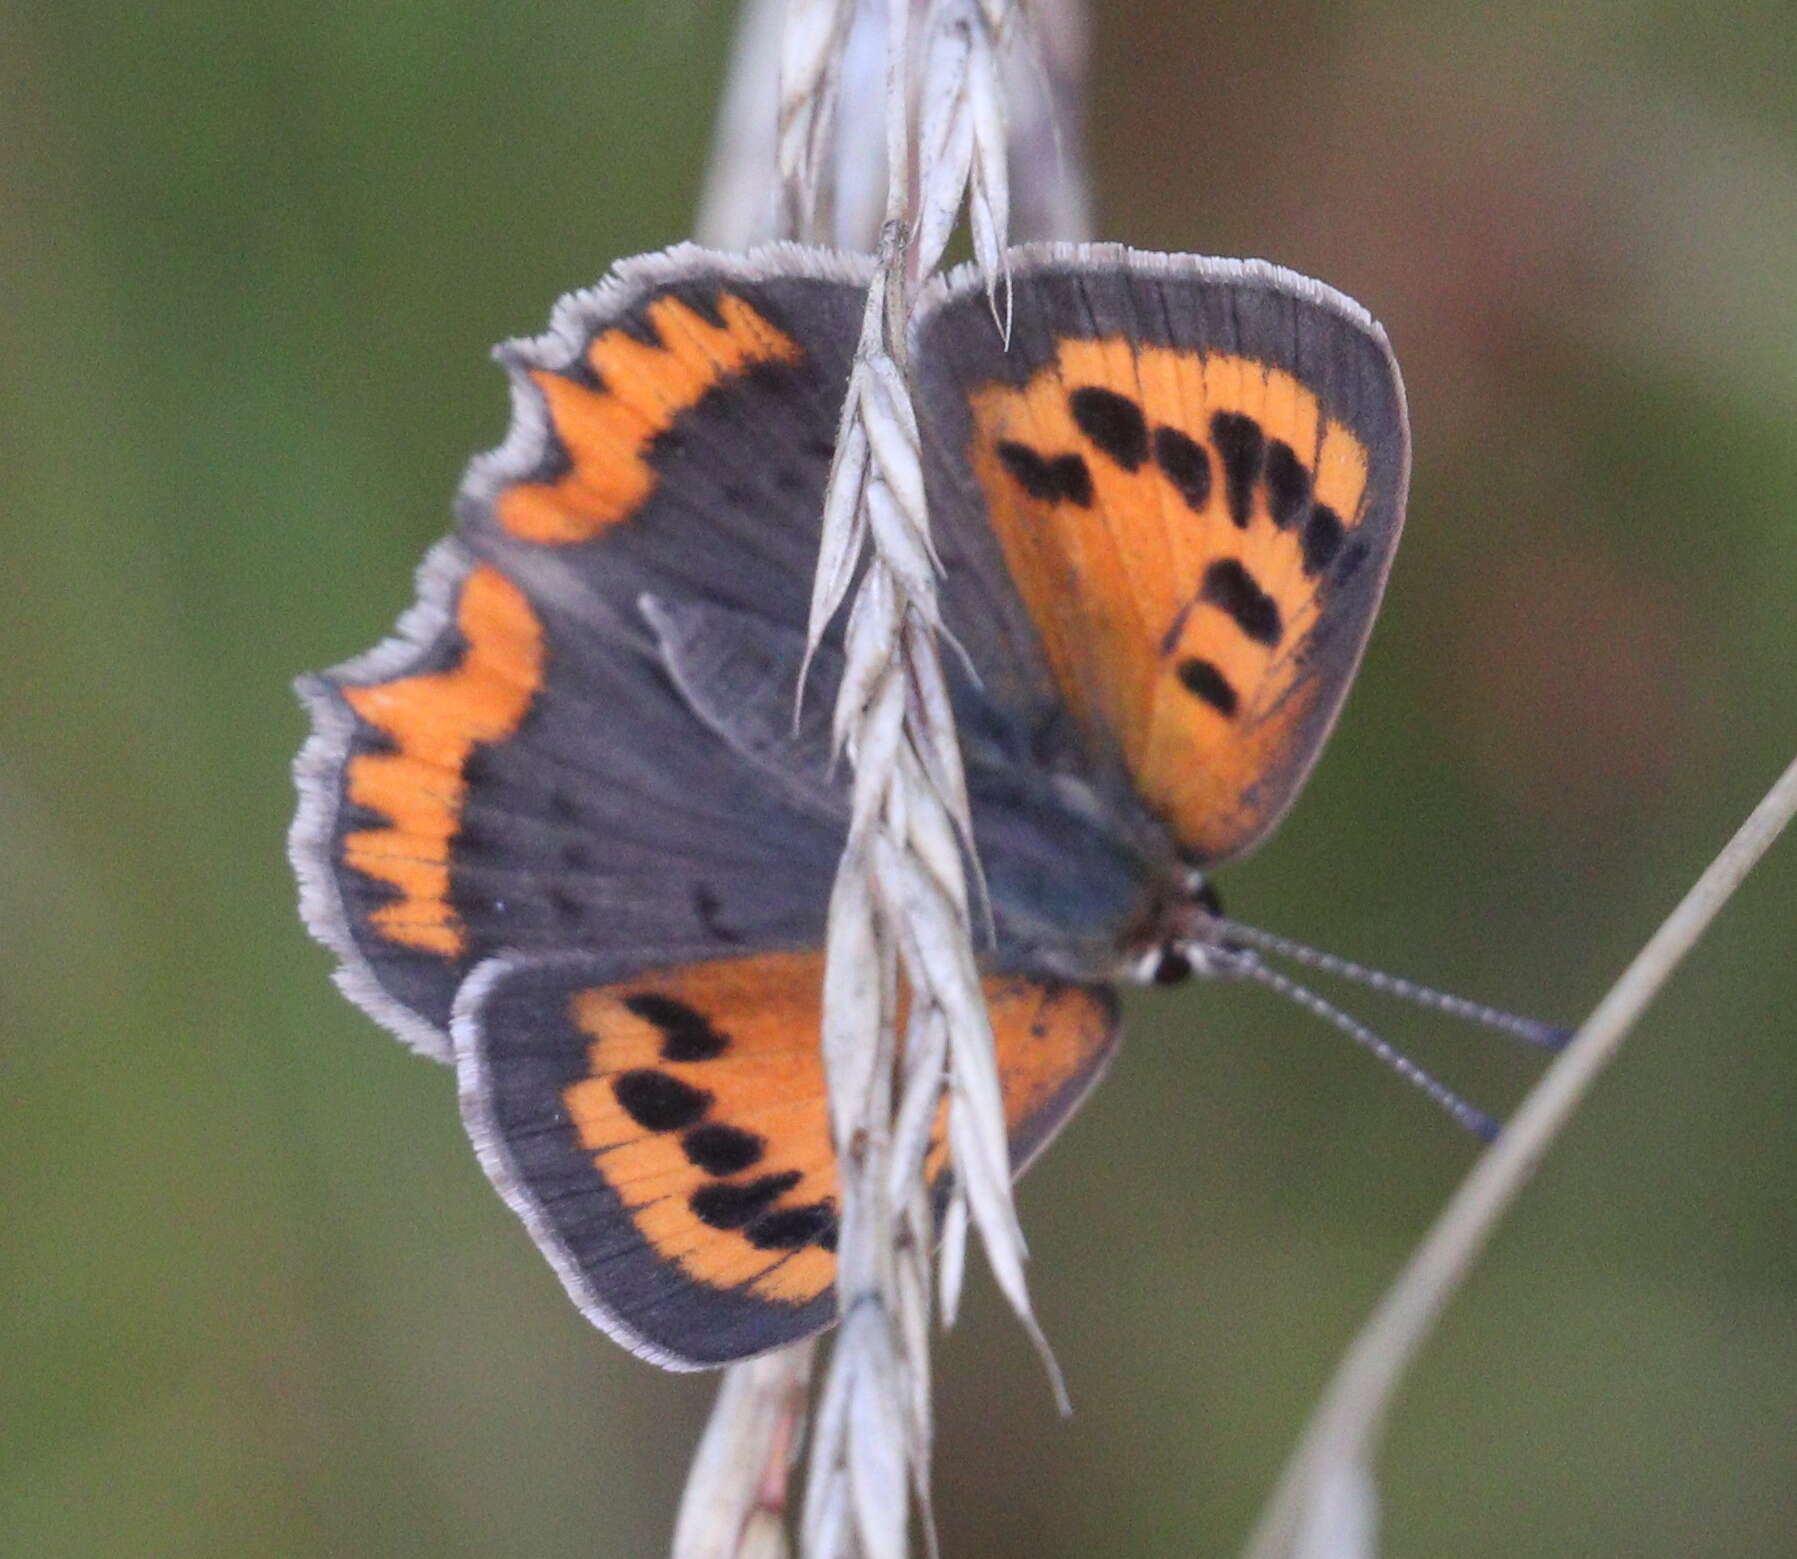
column 736, row 1495
column 812, row 48
column 900, row 914
column 901, row 911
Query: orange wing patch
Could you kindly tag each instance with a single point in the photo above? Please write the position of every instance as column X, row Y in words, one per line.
column 609, row 429
column 433, row 722
column 704, row 1108
column 1173, row 521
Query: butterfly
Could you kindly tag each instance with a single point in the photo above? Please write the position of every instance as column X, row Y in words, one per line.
column 563, row 830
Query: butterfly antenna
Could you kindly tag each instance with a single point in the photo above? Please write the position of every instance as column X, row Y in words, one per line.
column 1246, row 966
column 1546, row 1036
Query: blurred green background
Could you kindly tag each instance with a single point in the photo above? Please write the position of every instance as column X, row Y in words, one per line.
column 260, row 1300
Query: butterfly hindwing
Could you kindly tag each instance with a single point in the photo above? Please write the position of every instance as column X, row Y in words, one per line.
column 665, row 1135
column 1195, row 472
column 383, row 787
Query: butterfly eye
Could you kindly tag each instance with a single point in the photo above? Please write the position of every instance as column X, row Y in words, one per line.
column 1203, row 893
column 1171, row 967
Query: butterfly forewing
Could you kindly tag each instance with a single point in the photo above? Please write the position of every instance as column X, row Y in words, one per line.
column 1194, row 471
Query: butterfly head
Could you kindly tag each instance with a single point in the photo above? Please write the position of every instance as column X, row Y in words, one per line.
column 1183, row 936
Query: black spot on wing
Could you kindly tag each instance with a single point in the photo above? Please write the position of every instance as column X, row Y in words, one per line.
column 1288, row 485
column 723, row 1150
column 1186, row 463
column 567, row 909
column 686, row 1034
column 1050, row 479
column 1322, row 539
column 562, row 806
column 1242, row 448
column 1113, row 422
column 708, row 911
column 1232, row 589
column 658, row 1102
column 1204, row 681
column 1172, row 967
column 791, row 1228
column 731, row 1206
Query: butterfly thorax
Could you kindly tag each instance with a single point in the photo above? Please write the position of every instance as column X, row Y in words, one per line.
column 1078, row 875
column 1081, row 879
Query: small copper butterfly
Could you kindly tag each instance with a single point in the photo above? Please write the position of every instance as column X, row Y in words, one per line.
column 562, row 831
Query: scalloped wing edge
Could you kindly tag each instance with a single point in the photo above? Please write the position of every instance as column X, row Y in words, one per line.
column 318, row 776
column 579, row 315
